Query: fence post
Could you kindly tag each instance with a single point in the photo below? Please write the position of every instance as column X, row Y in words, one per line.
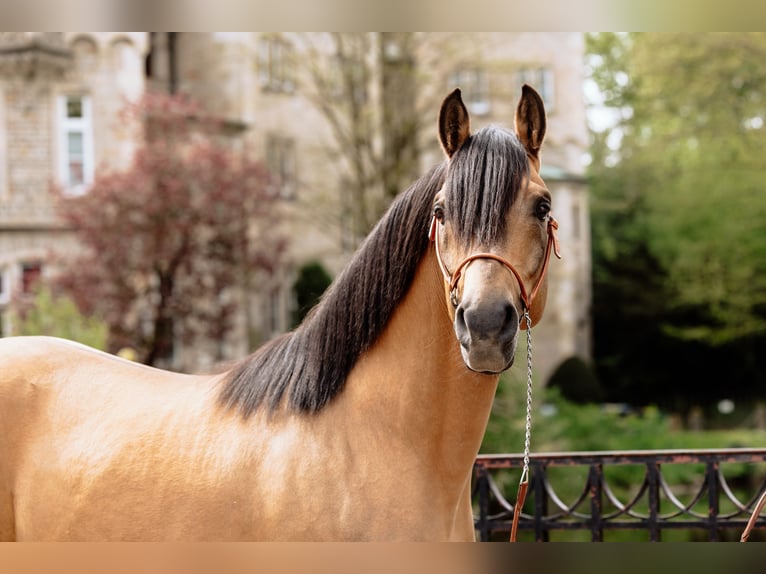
column 595, row 488
column 541, row 501
column 653, row 475
column 712, row 495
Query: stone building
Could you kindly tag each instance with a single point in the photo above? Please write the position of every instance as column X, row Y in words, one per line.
column 60, row 96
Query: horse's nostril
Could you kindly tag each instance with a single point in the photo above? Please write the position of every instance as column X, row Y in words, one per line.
column 460, row 315
column 510, row 324
column 461, row 328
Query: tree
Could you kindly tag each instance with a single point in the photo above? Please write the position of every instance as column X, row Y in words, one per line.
column 313, row 280
column 167, row 244
column 576, row 382
column 377, row 95
column 678, row 217
column 349, row 82
column 690, row 152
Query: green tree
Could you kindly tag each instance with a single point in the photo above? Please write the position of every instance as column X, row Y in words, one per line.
column 689, row 172
column 313, row 279
column 576, row 382
column 678, row 218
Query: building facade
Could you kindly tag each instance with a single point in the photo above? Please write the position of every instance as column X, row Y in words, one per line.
column 286, row 98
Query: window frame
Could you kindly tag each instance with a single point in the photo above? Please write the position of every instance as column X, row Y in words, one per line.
column 82, row 125
column 6, row 277
column 473, row 82
column 31, row 273
column 275, row 64
column 541, row 78
column 281, row 161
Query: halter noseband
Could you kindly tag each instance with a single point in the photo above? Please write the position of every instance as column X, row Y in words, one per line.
column 453, row 278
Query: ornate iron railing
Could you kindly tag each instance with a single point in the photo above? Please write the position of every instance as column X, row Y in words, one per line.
column 632, row 490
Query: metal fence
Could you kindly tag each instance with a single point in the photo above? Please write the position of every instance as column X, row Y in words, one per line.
column 711, row 492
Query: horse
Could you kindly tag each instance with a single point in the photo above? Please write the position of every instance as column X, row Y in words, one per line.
column 363, row 423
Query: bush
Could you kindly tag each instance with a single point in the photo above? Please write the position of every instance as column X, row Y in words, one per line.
column 57, row 316
column 311, row 283
column 577, row 382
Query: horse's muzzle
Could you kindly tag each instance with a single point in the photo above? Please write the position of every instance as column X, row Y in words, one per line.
column 488, row 333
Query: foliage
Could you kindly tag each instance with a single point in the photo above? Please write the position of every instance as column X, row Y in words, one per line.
column 688, row 174
column 576, row 382
column 505, row 428
column 166, row 242
column 313, row 279
column 56, row 315
column 560, row 425
column 678, row 220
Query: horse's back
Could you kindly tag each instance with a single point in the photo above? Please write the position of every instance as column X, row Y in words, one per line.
column 40, row 376
column 78, row 427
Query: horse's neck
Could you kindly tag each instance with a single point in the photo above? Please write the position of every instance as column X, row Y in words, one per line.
column 413, row 382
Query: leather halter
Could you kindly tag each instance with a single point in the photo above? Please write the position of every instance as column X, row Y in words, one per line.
column 453, row 278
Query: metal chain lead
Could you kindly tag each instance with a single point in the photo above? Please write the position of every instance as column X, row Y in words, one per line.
column 524, row 480
column 528, row 426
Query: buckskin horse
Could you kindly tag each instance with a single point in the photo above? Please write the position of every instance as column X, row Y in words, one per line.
column 361, row 424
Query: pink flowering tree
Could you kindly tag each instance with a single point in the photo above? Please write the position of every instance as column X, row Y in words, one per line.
column 170, row 246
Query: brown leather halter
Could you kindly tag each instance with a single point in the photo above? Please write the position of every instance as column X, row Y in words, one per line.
column 453, row 278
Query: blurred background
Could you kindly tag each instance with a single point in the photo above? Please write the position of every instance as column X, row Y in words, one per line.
column 180, row 198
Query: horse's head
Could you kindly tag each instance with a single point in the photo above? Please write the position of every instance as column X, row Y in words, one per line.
column 493, row 229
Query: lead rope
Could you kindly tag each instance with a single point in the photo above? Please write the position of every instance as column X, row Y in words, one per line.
column 753, row 517
column 524, row 480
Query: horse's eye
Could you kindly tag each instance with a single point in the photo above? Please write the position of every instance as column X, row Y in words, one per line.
column 439, row 212
column 542, row 209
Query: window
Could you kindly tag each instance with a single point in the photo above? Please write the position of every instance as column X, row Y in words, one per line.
column 280, row 161
column 75, row 143
column 541, row 79
column 474, row 87
column 275, row 71
column 5, row 284
column 30, row 276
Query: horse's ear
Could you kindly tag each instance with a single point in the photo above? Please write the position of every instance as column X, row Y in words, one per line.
column 454, row 123
column 530, row 121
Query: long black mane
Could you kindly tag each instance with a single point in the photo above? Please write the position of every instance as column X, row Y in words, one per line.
column 308, row 366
